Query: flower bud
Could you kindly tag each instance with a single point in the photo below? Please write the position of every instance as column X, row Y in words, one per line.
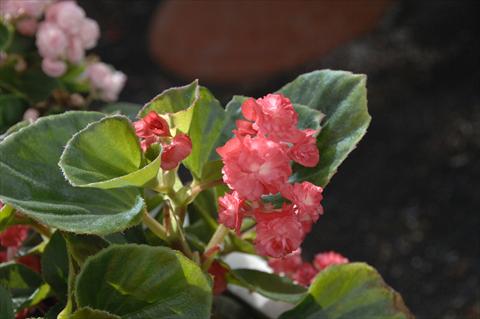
column 176, row 151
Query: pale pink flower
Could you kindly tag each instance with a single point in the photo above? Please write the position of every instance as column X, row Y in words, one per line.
column 27, row 26
column 254, row 166
column 51, row 41
column 89, row 33
column 323, row 260
column 11, row 9
column 31, row 115
column 75, row 51
column 114, row 86
column 230, row 211
column 288, row 264
column 53, row 68
column 67, row 15
column 175, row 152
column 278, row 233
column 305, row 274
column 305, row 151
column 107, row 81
column 98, row 73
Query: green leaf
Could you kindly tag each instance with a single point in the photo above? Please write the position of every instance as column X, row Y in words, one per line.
column 172, row 100
column 37, row 85
column 106, row 154
column 33, row 183
column 23, row 283
column 128, row 109
column 205, row 128
column 15, row 128
column 6, row 305
column 11, row 110
column 138, row 281
column 269, row 285
column 6, row 216
column 55, row 265
column 83, row 246
column 353, row 290
column 89, row 313
column 6, row 35
column 342, row 97
column 196, row 112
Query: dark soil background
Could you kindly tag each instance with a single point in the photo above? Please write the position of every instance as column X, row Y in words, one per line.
column 407, row 199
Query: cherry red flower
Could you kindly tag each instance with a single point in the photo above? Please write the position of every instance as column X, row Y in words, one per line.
column 305, row 274
column 219, row 277
column 323, row 260
column 176, row 151
column 152, row 125
column 286, row 265
column 13, row 236
column 305, row 151
column 31, row 261
column 278, row 233
column 230, row 212
column 274, row 117
column 254, row 166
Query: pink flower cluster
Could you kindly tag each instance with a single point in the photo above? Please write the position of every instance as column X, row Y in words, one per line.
column 302, row 272
column 154, row 129
column 64, row 36
column 257, row 162
column 106, row 81
column 23, row 13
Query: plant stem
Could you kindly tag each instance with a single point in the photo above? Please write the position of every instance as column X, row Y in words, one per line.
column 215, row 241
column 154, row 226
column 196, row 189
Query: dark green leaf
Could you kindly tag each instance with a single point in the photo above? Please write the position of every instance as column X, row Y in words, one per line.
column 137, row 281
column 350, row 291
column 89, row 313
column 83, row 246
column 37, row 85
column 342, row 97
column 106, row 154
column 24, row 284
column 55, row 265
column 6, row 306
column 11, row 110
column 33, row 183
column 128, row 109
column 269, row 285
column 6, row 35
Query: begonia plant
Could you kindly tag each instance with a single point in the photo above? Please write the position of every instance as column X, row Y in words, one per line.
column 104, row 217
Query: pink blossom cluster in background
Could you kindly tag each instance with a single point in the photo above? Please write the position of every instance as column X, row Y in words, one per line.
column 155, row 129
column 106, row 81
column 257, row 162
column 303, row 272
column 24, row 14
column 64, row 36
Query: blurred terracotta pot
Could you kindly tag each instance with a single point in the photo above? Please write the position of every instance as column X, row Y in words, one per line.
column 235, row 41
